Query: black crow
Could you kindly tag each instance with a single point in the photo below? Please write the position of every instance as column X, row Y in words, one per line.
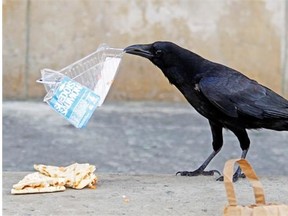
column 226, row 97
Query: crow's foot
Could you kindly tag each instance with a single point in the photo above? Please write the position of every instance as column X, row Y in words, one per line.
column 198, row 172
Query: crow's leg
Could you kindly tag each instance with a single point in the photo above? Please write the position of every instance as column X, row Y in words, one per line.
column 244, row 143
column 217, row 144
column 200, row 170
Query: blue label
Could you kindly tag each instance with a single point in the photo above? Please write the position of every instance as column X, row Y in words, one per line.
column 74, row 102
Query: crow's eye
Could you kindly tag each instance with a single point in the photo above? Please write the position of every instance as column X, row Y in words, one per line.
column 158, row 53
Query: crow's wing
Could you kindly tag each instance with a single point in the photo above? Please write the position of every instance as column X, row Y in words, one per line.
column 235, row 94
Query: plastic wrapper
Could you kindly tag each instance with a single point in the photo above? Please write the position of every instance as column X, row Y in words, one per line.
column 78, row 89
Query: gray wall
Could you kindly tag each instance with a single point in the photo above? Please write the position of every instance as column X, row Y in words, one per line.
column 250, row 36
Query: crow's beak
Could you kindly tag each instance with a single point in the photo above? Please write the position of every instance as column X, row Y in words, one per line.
column 140, row 50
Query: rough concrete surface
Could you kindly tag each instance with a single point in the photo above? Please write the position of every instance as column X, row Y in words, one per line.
column 135, row 137
column 144, row 144
column 139, row 195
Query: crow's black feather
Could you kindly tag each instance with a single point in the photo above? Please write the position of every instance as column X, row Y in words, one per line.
column 226, row 97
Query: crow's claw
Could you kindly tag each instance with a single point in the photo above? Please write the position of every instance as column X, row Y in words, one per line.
column 198, row 172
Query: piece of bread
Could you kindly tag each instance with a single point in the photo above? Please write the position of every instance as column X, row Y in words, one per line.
column 29, row 190
column 76, row 175
column 38, row 183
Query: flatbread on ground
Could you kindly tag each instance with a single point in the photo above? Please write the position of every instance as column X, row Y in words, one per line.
column 38, row 183
column 53, row 178
column 76, row 175
column 29, row 190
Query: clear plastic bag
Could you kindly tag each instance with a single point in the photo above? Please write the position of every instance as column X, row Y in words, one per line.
column 76, row 90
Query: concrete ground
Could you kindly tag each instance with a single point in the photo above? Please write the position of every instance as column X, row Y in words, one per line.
column 144, row 144
column 132, row 195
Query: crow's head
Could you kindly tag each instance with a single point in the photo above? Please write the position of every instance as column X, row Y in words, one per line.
column 162, row 54
column 177, row 64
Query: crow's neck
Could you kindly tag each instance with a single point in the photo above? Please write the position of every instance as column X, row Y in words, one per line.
column 193, row 63
column 186, row 71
